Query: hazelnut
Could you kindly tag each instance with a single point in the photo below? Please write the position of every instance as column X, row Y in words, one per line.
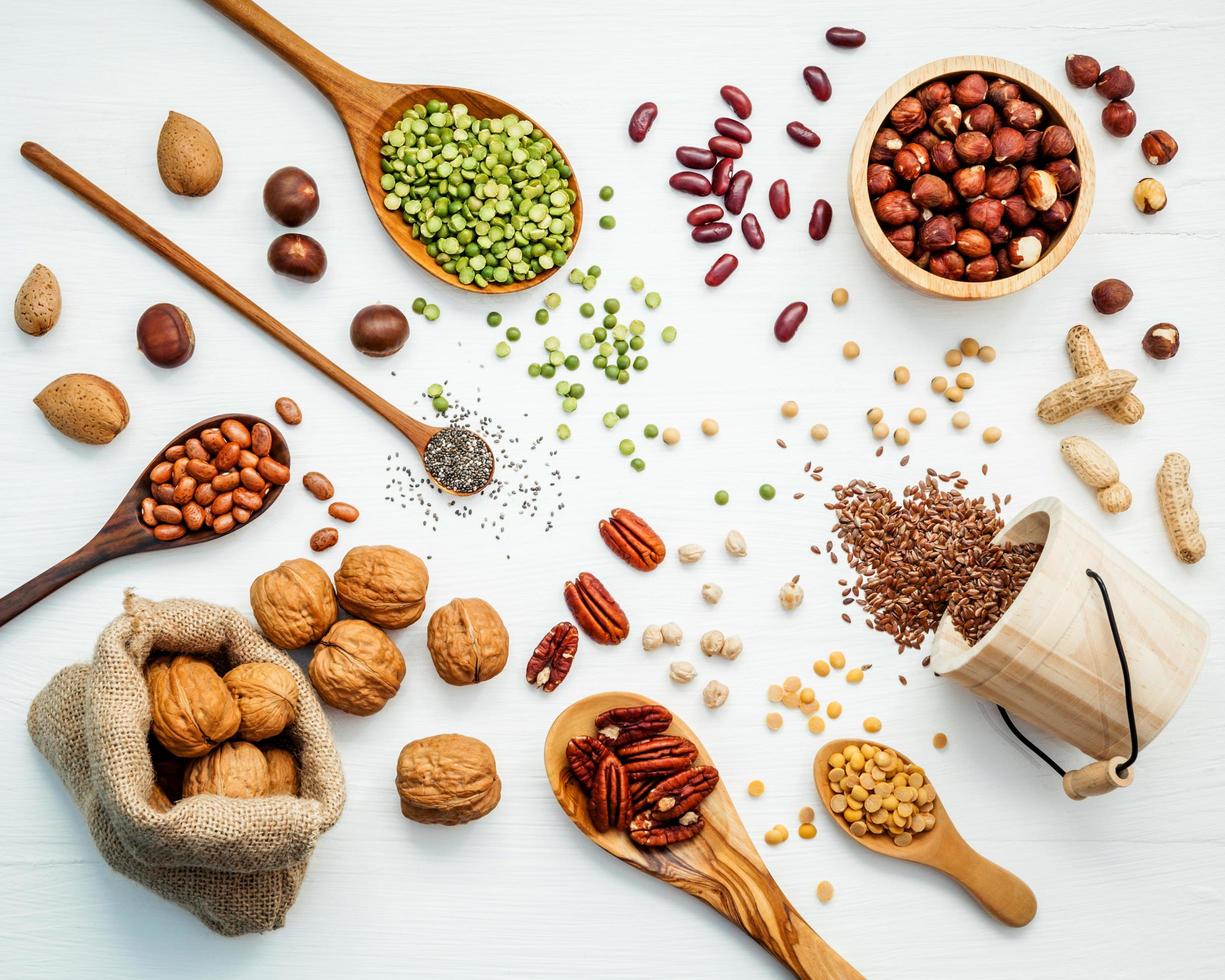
column 267, row 698
column 937, row 233
column 908, row 116
column 467, row 641
column 1033, row 143
column 947, row 265
column 379, row 330
column 291, row 196
column 982, row 270
column 958, row 219
column 885, row 144
column 970, row 91
column 985, row 214
column 1115, row 83
column 926, row 139
column 1066, row 174
column 1002, row 181
column 164, row 335
column 973, row 147
column 1082, row 70
column 944, row 157
column 1057, row 142
column 1057, row 215
column 383, row 584
column 191, row 709
column 447, row 779
column 1024, row 251
column 969, row 181
column 1007, row 144
column 1161, row 341
column 1035, row 232
column 236, row 769
column 895, row 208
column 945, row 120
column 880, row 179
column 910, row 161
column 1000, row 235
column 973, row 244
column 930, row 191
column 1001, row 90
column 1158, row 147
column 935, row 94
column 981, row 119
column 1001, row 257
column 1110, row 296
column 1020, row 114
column 902, row 239
column 1040, row 190
column 1017, row 212
column 294, row 604
column 1118, row 118
column 356, row 667
column 1149, row 196
column 298, row 257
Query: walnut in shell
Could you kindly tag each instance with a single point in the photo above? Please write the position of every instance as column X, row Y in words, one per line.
column 267, row 697
column 294, row 603
column 191, row 709
column 356, row 667
column 158, row 800
column 467, row 641
column 236, row 769
column 383, row 584
column 282, row 773
column 447, row 779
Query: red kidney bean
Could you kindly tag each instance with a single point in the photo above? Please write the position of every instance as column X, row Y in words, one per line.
column 704, row 214
column 716, row 231
column 845, row 37
column 724, row 266
column 737, row 191
column 739, row 102
column 725, row 146
column 641, row 121
column 690, row 183
column 780, row 199
column 722, row 176
column 750, row 227
column 789, row 321
column 803, row 135
column 736, row 130
column 818, row 83
column 696, row 156
column 818, row 224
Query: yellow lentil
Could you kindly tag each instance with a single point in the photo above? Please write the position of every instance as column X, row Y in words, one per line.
column 807, row 696
column 774, row 721
column 776, row 834
column 820, row 668
column 756, row 787
column 839, row 296
column 850, row 350
column 825, row 891
column 816, row 724
column 709, row 427
column 834, row 709
column 807, row 831
column 939, row 740
column 871, row 724
column 854, row 675
column 837, row 660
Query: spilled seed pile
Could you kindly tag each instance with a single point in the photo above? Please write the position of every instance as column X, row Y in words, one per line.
column 927, row 553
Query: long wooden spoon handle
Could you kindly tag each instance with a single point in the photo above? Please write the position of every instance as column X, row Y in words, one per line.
column 41, row 586
column 805, row 953
column 417, row 432
column 330, row 77
column 1001, row 893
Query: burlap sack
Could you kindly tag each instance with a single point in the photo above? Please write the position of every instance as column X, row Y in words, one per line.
column 235, row 864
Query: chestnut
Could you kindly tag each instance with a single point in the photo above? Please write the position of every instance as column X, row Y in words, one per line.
column 379, row 330
column 164, row 335
column 291, row 196
column 297, row 256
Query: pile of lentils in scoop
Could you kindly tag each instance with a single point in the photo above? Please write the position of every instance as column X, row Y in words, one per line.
column 491, row 198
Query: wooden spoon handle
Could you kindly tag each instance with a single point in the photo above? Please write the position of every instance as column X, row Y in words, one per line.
column 417, row 432
column 330, row 77
column 1001, row 893
column 41, row 586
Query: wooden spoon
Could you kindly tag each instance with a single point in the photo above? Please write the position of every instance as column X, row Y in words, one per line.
column 1001, row 893
column 720, row 866
column 125, row 533
column 418, row 433
column 368, row 109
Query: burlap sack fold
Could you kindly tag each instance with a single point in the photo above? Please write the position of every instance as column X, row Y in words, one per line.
column 236, row 864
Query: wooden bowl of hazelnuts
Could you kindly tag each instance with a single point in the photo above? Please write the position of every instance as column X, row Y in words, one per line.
column 970, row 178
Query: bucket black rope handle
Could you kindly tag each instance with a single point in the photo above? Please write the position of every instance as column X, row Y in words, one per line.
column 1131, row 711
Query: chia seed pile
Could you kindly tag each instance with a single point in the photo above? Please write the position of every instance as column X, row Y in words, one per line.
column 458, row 459
column 929, row 553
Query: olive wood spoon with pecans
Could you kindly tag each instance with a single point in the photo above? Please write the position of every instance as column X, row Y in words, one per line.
column 125, row 533
column 1001, row 893
column 720, row 866
column 417, row 432
column 368, row 109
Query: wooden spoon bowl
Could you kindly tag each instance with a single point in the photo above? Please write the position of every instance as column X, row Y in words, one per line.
column 125, row 533
column 720, row 866
column 1001, row 893
column 368, row 109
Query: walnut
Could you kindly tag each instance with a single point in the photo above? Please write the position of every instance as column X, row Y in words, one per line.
column 294, row 603
column 356, row 667
column 158, row 800
column 447, row 779
column 192, row 709
column 267, row 699
column 282, row 773
column 467, row 641
column 235, row 769
column 383, row 584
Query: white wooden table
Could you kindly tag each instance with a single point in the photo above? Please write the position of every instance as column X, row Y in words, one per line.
column 1128, row 886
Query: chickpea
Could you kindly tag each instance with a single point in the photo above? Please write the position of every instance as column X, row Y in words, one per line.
column 880, row 431
column 969, row 347
column 955, row 394
column 839, row 296
column 710, row 427
column 901, row 374
column 952, row 357
column 992, row 435
column 875, row 415
column 986, row 354
column 965, row 380
column 961, row 420
column 901, row 436
column 671, row 436
column 789, row 409
column 939, row 384
column 850, row 350
column 819, row 432
column 917, row 416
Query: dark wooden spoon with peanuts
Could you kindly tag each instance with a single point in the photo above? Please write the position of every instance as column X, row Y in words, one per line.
column 208, row 481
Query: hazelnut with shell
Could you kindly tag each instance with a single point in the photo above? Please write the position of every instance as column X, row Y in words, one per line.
column 267, row 697
column 1082, row 70
column 467, row 641
column 447, row 779
column 235, row 769
column 294, row 603
column 1161, row 341
column 1111, row 295
column 191, row 709
column 383, row 584
column 356, row 667
column 1158, row 147
column 1118, row 118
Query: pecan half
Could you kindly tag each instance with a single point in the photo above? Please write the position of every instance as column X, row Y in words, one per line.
column 679, row 794
column 648, row 832
column 639, row 791
column 661, row 755
column 609, row 805
column 596, row 611
column 620, row 726
column 550, row 661
column 633, row 540
column 583, row 755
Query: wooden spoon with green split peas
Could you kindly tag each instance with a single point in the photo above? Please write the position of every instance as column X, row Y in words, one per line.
column 368, row 109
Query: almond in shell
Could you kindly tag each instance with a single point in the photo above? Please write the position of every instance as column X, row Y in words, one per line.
column 84, row 407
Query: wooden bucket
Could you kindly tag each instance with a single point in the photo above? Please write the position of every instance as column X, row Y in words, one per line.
column 1051, row 658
